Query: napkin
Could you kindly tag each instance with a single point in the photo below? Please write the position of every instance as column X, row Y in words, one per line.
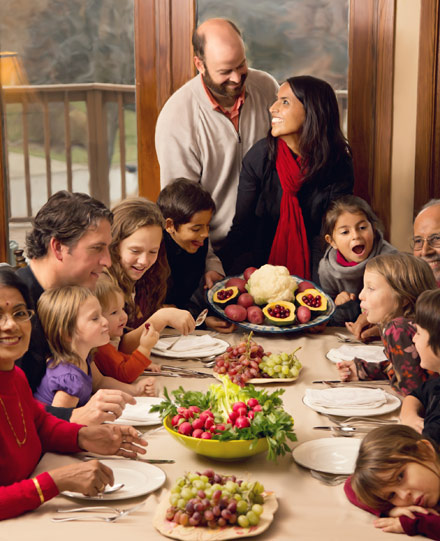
column 371, row 354
column 187, row 343
column 340, row 397
column 138, row 412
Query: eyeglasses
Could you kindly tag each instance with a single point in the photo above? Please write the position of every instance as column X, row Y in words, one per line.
column 417, row 243
column 20, row 316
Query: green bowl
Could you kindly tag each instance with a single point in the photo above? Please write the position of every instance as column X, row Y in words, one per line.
column 221, row 450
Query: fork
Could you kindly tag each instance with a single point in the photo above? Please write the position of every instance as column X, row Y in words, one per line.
column 120, row 513
column 360, row 419
column 328, row 478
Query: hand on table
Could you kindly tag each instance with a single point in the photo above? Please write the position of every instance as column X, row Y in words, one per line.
column 219, row 325
column 388, row 524
column 104, row 405
column 88, row 478
column 145, row 387
column 347, row 371
column 111, row 440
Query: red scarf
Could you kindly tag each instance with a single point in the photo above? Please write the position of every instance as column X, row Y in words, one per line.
column 290, row 247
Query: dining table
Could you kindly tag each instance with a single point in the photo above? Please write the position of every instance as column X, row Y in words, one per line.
column 308, row 509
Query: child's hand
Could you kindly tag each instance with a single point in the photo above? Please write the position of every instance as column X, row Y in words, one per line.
column 388, row 524
column 219, row 325
column 145, row 387
column 410, row 510
column 347, row 371
column 362, row 329
column 211, row 277
column 154, row 367
column 148, row 339
column 344, row 297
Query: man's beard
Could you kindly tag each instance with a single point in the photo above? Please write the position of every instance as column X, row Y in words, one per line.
column 224, row 89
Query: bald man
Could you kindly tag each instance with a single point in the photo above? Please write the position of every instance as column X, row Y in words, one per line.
column 426, row 239
column 208, row 125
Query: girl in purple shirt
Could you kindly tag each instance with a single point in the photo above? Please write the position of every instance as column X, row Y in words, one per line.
column 72, row 320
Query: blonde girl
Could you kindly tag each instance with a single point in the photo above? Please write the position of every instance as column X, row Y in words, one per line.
column 140, row 268
column 109, row 360
column 353, row 234
column 397, row 474
column 73, row 323
column 392, row 283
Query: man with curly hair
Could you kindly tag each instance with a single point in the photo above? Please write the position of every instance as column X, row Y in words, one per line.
column 68, row 245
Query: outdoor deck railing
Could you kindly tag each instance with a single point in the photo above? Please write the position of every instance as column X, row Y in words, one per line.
column 95, row 96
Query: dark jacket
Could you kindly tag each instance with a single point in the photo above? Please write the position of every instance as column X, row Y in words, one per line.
column 258, row 208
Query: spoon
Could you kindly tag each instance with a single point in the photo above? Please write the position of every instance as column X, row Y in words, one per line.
column 114, row 488
column 199, row 321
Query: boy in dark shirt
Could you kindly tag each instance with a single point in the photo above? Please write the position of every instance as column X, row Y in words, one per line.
column 188, row 209
column 421, row 408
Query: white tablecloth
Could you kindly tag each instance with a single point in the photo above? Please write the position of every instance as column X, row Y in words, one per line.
column 308, row 510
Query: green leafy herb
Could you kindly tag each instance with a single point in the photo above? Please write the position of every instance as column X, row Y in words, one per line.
column 273, row 423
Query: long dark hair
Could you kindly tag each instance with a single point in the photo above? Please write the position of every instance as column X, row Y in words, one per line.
column 322, row 142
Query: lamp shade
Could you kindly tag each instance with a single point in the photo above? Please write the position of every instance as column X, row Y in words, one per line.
column 11, row 70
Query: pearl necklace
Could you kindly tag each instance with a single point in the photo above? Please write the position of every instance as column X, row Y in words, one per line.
column 23, row 441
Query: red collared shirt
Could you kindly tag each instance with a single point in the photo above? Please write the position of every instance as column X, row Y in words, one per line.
column 234, row 113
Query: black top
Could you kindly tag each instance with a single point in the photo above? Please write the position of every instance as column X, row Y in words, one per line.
column 33, row 362
column 258, row 208
column 429, row 395
column 187, row 270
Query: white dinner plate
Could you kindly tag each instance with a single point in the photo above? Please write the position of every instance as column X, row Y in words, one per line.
column 392, row 403
column 370, row 354
column 139, row 413
column 217, row 347
column 138, row 478
column 329, row 455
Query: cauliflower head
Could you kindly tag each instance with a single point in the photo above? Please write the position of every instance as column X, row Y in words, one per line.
column 271, row 283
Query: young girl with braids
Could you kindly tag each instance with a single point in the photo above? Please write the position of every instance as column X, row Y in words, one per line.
column 140, row 268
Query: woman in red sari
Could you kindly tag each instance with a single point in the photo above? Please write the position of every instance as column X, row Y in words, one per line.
column 288, row 180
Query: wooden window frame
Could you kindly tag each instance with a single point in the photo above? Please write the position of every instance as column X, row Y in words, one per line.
column 427, row 159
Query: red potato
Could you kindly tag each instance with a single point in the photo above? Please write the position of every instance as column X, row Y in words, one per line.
column 302, row 286
column 303, row 314
column 237, row 282
column 248, row 272
column 236, row 312
column 255, row 315
column 246, row 300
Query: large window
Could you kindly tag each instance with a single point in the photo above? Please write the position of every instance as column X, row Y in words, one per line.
column 292, row 37
column 69, row 115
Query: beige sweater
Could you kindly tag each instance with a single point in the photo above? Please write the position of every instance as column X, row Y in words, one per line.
column 196, row 142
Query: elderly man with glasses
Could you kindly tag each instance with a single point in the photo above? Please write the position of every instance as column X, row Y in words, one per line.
column 426, row 240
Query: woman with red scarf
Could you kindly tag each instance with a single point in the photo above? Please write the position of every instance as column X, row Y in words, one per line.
column 288, row 180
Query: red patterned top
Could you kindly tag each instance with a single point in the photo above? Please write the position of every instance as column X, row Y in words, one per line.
column 403, row 365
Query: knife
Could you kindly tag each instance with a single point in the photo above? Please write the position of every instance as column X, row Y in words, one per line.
column 147, row 460
column 356, row 382
column 346, row 429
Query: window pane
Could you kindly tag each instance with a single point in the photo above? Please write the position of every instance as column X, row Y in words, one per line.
column 63, row 128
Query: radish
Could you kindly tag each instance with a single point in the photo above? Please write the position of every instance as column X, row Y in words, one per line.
column 206, row 435
column 185, row 429
column 242, row 422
